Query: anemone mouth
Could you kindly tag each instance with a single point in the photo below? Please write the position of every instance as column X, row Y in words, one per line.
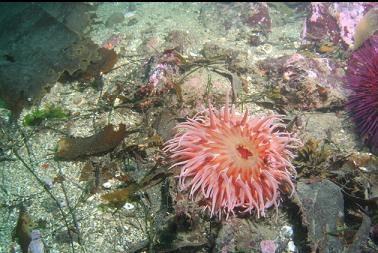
column 239, row 153
column 245, row 156
column 244, row 152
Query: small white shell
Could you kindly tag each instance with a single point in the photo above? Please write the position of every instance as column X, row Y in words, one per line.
column 286, row 231
column 107, row 185
column 363, row 169
column 128, row 206
column 291, row 247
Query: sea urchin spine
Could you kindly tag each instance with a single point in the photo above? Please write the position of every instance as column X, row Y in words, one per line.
column 235, row 162
column 362, row 79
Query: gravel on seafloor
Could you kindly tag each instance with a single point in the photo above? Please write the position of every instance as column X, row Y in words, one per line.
column 101, row 229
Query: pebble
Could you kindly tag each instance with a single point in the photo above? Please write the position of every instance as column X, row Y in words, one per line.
column 363, row 169
column 117, row 102
column 91, row 198
column 107, row 185
column 286, row 231
column 62, row 203
column 129, row 14
column 193, row 54
column 36, row 245
column 48, row 182
column 291, row 247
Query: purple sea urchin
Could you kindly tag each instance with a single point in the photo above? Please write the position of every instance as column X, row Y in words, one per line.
column 362, row 79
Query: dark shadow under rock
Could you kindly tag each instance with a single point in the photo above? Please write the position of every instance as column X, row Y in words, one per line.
column 35, row 49
column 76, row 16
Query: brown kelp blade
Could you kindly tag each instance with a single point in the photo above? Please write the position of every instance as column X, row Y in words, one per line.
column 104, row 141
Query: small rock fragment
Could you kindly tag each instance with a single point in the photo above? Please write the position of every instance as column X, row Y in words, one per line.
column 115, row 18
column 36, row 245
column 322, row 214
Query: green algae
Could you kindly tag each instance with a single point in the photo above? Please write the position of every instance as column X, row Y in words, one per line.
column 38, row 115
column 3, row 104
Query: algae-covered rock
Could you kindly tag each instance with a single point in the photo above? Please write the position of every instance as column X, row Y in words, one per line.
column 304, row 83
column 203, row 84
column 335, row 22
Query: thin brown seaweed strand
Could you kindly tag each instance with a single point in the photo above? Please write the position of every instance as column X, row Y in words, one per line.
column 44, row 186
column 49, row 193
column 71, row 210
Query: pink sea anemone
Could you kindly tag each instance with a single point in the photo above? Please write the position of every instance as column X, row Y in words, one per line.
column 233, row 161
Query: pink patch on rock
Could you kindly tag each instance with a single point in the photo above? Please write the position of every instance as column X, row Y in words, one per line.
column 335, row 22
column 259, row 16
column 268, row 246
column 348, row 15
column 294, row 58
column 320, row 24
column 317, row 10
column 112, row 41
